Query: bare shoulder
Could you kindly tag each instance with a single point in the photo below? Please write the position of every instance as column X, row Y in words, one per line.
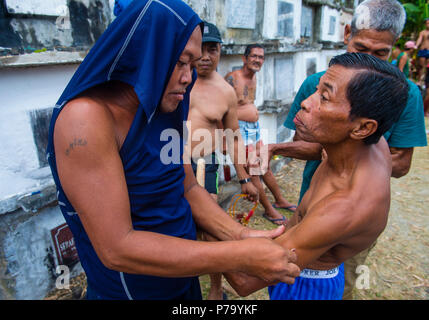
column 226, row 87
column 81, row 112
column 231, row 77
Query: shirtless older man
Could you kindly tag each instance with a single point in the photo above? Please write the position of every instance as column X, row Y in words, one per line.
column 346, row 207
column 213, row 103
column 423, row 46
column 244, row 83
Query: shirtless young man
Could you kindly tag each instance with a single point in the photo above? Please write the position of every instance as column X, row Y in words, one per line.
column 423, row 46
column 213, row 101
column 346, row 207
column 244, row 83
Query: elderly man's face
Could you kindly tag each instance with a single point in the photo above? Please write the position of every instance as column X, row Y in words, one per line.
column 181, row 77
column 324, row 116
column 376, row 43
column 255, row 60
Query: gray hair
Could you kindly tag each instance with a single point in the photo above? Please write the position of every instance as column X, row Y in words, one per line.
column 380, row 15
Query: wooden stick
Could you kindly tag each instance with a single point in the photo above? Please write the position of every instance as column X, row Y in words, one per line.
column 201, row 171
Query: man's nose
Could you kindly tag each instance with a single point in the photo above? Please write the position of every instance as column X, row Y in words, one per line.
column 205, row 56
column 186, row 77
column 310, row 102
column 305, row 105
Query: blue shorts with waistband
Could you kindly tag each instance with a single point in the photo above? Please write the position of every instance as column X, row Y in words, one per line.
column 312, row 285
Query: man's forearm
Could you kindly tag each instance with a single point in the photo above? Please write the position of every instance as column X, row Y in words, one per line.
column 297, row 149
column 160, row 255
column 419, row 41
column 210, row 217
column 244, row 284
column 239, row 156
column 247, row 113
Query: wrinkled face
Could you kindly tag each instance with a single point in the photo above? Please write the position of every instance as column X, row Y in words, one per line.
column 376, row 43
column 181, row 77
column 255, row 59
column 324, row 116
column 210, row 58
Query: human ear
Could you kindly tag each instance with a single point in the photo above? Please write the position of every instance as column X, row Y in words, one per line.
column 347, row 34
column 364, row 128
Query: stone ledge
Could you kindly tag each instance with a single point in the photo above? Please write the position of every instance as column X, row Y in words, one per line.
column 45, row 58
column 31, row 201
column 330, row 3
column 275, row 106
column 271, row 47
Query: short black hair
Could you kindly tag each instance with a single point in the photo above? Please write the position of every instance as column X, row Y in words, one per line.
column 250, row 47
column 379, row 92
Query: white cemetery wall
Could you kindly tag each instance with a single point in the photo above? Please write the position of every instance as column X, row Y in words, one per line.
column 282, row 19
column 29, row 257
column 330, row 25
column 24, row 90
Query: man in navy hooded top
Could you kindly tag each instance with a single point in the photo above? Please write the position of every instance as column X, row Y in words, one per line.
column 133, row 214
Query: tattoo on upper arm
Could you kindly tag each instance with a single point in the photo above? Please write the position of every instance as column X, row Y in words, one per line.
column 230, row 80
column 76, row 142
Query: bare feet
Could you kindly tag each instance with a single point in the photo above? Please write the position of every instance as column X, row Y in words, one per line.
column 284, row 204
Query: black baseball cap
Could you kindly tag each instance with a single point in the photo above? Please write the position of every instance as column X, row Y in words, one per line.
column 211, row 33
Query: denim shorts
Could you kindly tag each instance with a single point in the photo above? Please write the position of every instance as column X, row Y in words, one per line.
column 250, row 132
column 423, row 53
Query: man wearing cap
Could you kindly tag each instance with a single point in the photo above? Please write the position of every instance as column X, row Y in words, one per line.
column 403, row 59
column 214, row 104
column 423, row 46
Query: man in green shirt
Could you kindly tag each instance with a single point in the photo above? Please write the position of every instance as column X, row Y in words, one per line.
column 375, row 28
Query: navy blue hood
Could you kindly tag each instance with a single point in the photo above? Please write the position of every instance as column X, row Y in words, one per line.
column 141, row 47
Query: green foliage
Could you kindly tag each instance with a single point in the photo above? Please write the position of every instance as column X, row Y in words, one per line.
column 417, row 12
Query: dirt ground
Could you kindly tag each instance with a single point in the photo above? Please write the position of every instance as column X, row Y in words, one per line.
column 398, row 264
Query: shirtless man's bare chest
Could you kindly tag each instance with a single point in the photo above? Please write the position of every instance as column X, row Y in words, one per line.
column 349, row 204
column 210, row 103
